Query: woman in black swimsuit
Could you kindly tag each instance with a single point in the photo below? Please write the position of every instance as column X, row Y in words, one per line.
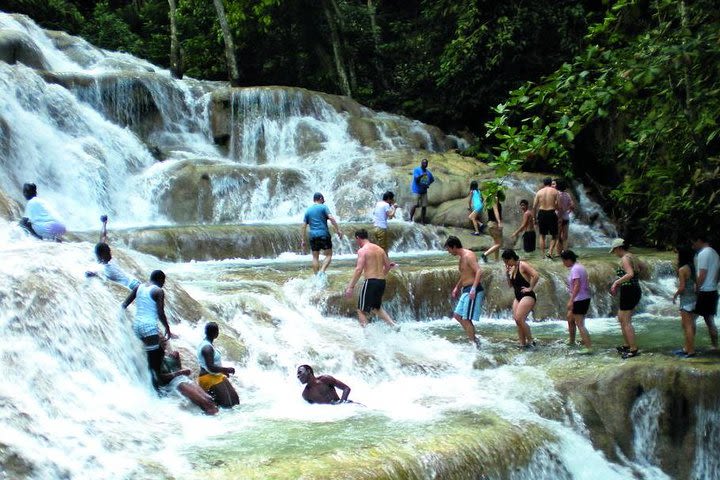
column 627, row 287
column 522, row 277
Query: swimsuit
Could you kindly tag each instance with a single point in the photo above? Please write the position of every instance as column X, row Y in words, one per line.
column 371, row 294
column 518, row 283
column 547, row 222
column 630, row 292
column 468, row 309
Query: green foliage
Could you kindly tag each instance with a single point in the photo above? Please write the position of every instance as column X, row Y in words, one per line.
column 53, row 14
column 635, row 115
column 107, row 29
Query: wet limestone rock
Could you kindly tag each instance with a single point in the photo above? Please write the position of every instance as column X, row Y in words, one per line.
column 604, row 395
column 9, row 208
column 197, row 189
column 19, row 47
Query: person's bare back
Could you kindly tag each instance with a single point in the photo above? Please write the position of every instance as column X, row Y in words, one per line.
column 546, row 199
column 375, row 261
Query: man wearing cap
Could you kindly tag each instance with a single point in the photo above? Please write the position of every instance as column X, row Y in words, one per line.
column 422, row 178
column 317, row 216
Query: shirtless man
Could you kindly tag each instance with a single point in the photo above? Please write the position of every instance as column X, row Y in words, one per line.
column 468, row 288
column 527, row 228
column 374, row 264
column 544, row 206
column 321, row 389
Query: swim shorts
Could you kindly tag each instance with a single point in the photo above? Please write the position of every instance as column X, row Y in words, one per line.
column 371, row 294
column 320, row 243
column 706, row 304
column 547, row 222
column 469, row 309
column 209, row 380
column 581, row 307
column 629, row 296
column 529, row 241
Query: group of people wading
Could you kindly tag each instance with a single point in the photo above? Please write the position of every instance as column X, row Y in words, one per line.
column 698, row 271
column 550, row 213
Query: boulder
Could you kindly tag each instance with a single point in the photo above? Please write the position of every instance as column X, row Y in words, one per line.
column 19, row 47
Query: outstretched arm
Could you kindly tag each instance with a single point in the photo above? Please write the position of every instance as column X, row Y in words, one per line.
column 356, row 274
column 522, row 226
column 130, row 298
column 388, row 265
column 103, row 229
column 335, row 224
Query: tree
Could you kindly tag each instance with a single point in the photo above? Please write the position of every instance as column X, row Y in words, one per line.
column 175, row 56
column 230, row 52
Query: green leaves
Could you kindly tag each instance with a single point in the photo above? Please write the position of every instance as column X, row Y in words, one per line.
column 643, row 104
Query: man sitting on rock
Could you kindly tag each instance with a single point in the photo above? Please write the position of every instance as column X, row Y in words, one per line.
column 40, row 220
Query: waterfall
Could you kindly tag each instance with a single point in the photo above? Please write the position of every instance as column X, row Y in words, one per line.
column 707, row 433
column 646, row 417
column 211, row 183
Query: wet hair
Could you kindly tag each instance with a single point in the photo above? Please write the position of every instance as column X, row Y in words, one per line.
column 453, row 242
column 157, row 276
column 473, row 185
column 424, row 160
column 318, row 196
column 102, row 251
column 362, row 234
column 29, row 189
column 524, row 202
column 509, row 254
column 561, row 185
column 700, row 236
column 388, row 196
column 568, row 255
column 211, row 327
column 547, row 181
column 686, row 256
column 308, row 368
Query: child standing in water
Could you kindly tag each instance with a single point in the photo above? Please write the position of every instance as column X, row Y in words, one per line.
column 475, row 206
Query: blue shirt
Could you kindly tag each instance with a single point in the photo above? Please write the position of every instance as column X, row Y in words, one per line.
column 316, row 217
column 421, row 180
column 477, row 203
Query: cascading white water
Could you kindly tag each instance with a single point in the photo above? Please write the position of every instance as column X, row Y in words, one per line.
column 77, row 401
column 646, row 416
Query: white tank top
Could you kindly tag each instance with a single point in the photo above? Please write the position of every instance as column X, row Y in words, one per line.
column 201, row 358
column 146, row 308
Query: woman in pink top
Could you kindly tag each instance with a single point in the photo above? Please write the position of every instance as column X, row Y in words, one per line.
column 579, row 302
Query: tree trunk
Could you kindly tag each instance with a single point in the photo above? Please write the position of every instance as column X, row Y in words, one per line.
column 337, row 51
column 375, row 30
column 233, row 70
column 175, row 57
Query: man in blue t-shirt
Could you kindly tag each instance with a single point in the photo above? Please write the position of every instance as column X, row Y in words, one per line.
column 317, row 217
column 422, row 178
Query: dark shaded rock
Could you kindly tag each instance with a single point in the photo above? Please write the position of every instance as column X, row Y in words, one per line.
column 18, row 47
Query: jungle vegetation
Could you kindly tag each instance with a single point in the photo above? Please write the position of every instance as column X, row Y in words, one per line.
column 623, row 95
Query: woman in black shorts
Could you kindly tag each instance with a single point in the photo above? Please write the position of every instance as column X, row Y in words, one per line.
column 522, row 277
column 579, row 302
column 628, row 287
